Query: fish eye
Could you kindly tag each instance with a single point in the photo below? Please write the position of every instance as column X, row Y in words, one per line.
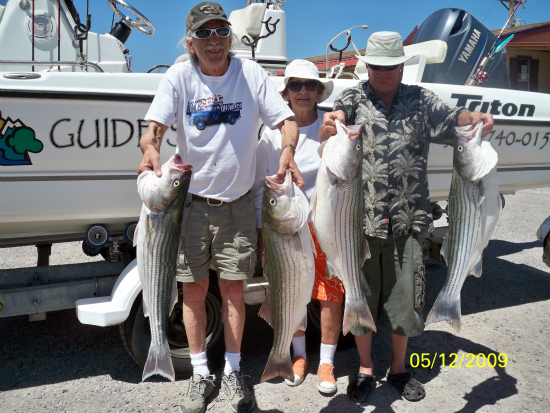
column 272, row 201
column 459, row 148
column 358, row 146
column 177, row 183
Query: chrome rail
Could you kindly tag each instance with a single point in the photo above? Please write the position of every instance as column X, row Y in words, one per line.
column 51, row 63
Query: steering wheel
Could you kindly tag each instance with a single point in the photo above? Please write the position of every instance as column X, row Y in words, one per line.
column 142, row 23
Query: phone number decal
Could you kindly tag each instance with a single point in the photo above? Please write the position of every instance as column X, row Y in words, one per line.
column 466, row 360
column 536, row 139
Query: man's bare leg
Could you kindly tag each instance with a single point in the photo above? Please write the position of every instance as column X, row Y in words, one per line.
column 233, row 313
column 398, row 350
column 364, row 344
column 194, row 314
column 331, row 321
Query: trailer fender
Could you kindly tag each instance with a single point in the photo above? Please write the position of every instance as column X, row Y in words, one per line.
column 114, row 309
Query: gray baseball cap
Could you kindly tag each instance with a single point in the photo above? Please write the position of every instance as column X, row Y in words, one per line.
column 385, row 49
column 204, row 12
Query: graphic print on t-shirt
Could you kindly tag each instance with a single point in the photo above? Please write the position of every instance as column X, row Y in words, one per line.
column 212, row 111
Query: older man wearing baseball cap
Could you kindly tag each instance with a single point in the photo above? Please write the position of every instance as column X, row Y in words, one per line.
column 217, row 101
column 400, row 122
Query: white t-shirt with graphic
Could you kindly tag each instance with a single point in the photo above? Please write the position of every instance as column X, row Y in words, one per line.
column 217, row 122
column 306, row 157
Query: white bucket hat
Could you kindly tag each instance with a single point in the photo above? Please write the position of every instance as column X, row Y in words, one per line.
column 304, row 69
column 384, row 49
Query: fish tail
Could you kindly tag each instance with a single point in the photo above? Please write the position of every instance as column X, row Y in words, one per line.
column 447, row 309
column 278, row 366
column 159, row 362
column 357, row 312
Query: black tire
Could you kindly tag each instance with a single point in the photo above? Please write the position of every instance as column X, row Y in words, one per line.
column 136, row 335
column 201, row 125
column 232, row 120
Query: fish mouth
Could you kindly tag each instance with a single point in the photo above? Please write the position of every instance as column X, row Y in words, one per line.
column 276, row 185
column 176, row 164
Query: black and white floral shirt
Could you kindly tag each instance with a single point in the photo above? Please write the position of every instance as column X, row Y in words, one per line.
column 395, row 153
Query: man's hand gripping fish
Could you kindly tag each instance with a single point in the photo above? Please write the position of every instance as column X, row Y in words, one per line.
column 337, row 214
column 157, row 238
column 474, row 207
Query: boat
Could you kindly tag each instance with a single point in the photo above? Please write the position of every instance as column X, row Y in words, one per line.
column 70, row 122
column 82, row 115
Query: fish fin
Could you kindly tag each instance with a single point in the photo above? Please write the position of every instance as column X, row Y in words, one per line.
column 320, row 148
column 159, row 362
column 480, row 197
column 443, row 250
column 331, row 273
column 446, row 309
column 303, row 324
column 145, row 312
column 357, row 312
column 173, row 296
column 476, row 272
column 313, row 204
column 278, row 366
column 265, row 312
column 136, row 232
column 365, row 254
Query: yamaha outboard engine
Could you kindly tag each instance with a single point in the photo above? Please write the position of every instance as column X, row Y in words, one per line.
column 468, row 42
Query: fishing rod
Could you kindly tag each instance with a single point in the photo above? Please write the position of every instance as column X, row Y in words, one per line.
column 479, row 76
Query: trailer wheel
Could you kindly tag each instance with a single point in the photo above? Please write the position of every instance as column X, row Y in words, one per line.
column 136, row 335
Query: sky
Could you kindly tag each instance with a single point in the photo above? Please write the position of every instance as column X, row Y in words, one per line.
column 310, row 24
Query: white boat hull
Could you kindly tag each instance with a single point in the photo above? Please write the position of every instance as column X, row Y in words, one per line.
column 89, row 125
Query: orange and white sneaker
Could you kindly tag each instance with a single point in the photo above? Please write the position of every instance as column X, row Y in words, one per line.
column 327, row 383
column 299, row 366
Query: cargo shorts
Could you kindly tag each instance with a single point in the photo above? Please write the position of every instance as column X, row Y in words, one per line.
column 394, row 282
column 223, row 237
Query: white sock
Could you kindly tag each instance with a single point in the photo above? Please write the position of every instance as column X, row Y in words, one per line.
column 299, row 346
column 232, row 362
column 198, row 361
column 327, row 353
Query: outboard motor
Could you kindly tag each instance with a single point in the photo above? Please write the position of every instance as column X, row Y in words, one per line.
column 468, row 42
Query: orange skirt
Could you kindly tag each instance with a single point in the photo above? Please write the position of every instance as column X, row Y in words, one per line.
column 323, row 289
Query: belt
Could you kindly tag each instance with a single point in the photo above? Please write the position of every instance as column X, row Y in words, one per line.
column 209, row 201
column 212, row 201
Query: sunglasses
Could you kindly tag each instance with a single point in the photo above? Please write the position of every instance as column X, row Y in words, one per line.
column 296, row 85
column 388, row 68
column 206, row 33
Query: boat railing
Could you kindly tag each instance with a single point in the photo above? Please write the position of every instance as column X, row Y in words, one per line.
column 50, row 63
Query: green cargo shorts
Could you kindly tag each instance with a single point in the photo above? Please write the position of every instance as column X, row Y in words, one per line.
column 223, row 237
column 393, row 282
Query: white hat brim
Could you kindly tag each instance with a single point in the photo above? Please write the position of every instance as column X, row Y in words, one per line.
column 384, row 60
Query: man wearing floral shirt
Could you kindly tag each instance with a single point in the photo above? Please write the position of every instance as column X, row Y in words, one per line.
column 398, row 124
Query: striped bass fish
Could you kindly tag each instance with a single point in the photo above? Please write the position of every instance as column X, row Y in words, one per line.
column 289, row 268
column 157, row 238
column 337, row 217
column 474, row 208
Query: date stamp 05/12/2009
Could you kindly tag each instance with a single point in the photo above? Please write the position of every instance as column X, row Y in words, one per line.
column 454, row 360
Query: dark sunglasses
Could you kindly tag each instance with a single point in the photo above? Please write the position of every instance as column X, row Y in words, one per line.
column 296, row 85
column 389, row 68
column 206, row 33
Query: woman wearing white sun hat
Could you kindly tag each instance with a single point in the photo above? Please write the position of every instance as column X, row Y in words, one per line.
column 304, row 89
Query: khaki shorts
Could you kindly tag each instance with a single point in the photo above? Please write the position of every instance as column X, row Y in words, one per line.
column 393, row 282
column 223, row 237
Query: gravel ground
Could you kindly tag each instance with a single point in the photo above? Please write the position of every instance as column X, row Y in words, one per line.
column 60, row 365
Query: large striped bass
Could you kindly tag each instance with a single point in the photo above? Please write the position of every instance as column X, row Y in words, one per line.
column 289, row 268
column 474, row 207
column 157, row 238
column 337, row 208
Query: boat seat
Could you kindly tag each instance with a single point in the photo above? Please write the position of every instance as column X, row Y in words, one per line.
column 434, row 50
column 247, row 21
